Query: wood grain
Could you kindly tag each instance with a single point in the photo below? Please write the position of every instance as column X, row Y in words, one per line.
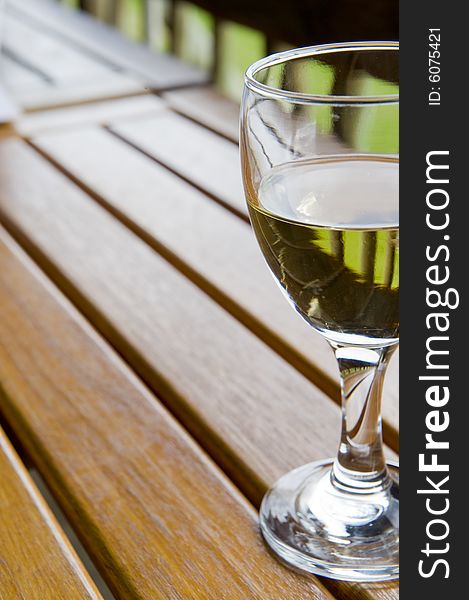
column 218, row 248
column 159, row 519
column 37, row 561
column 236, row 269
column 207, row 160
column 214, row 244
column 78, row 29
column 211, row 163
column 234, row 394
column 188, row 347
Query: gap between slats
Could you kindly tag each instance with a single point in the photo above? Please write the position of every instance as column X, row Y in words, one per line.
column 63, row 527
column 200, row 188
column 48, row 497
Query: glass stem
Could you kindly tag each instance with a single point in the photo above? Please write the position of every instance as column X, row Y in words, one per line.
column 360, row 466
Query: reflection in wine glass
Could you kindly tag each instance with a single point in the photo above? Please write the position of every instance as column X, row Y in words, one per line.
column 319, row 150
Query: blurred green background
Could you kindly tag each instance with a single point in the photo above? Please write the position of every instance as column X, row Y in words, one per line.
column 188, row 31
column 223, row 37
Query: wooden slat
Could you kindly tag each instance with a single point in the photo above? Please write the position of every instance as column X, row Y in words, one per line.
column 107, row 87
column 154, row 70
column 97, row 112
column 60, row 62
column 157, row 516
column 234, row 394
column 37, row 561
column 207, row 160
column 214, row 244
column 205, row 105
column 55, row 74
column 47, row 72
column 211, row 358
column 212, row 163
column 15, row 75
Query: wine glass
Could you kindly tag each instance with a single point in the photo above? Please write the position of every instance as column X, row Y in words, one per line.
column 320, row 160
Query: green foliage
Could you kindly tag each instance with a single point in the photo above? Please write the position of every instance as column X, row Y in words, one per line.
column 377, row 129
column 131, row 19
column 195, row 35
column 239, row 47
column 319, row 79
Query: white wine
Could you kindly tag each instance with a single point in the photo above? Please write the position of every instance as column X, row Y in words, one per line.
column 329, row 230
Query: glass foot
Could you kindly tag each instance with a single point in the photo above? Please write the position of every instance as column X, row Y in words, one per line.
column 316, row 528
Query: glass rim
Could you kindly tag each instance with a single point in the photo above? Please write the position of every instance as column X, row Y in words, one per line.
column 303, row 98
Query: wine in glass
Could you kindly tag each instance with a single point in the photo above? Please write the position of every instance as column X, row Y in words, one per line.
column 319, row 150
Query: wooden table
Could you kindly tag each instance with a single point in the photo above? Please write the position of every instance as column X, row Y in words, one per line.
column 149, row 369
